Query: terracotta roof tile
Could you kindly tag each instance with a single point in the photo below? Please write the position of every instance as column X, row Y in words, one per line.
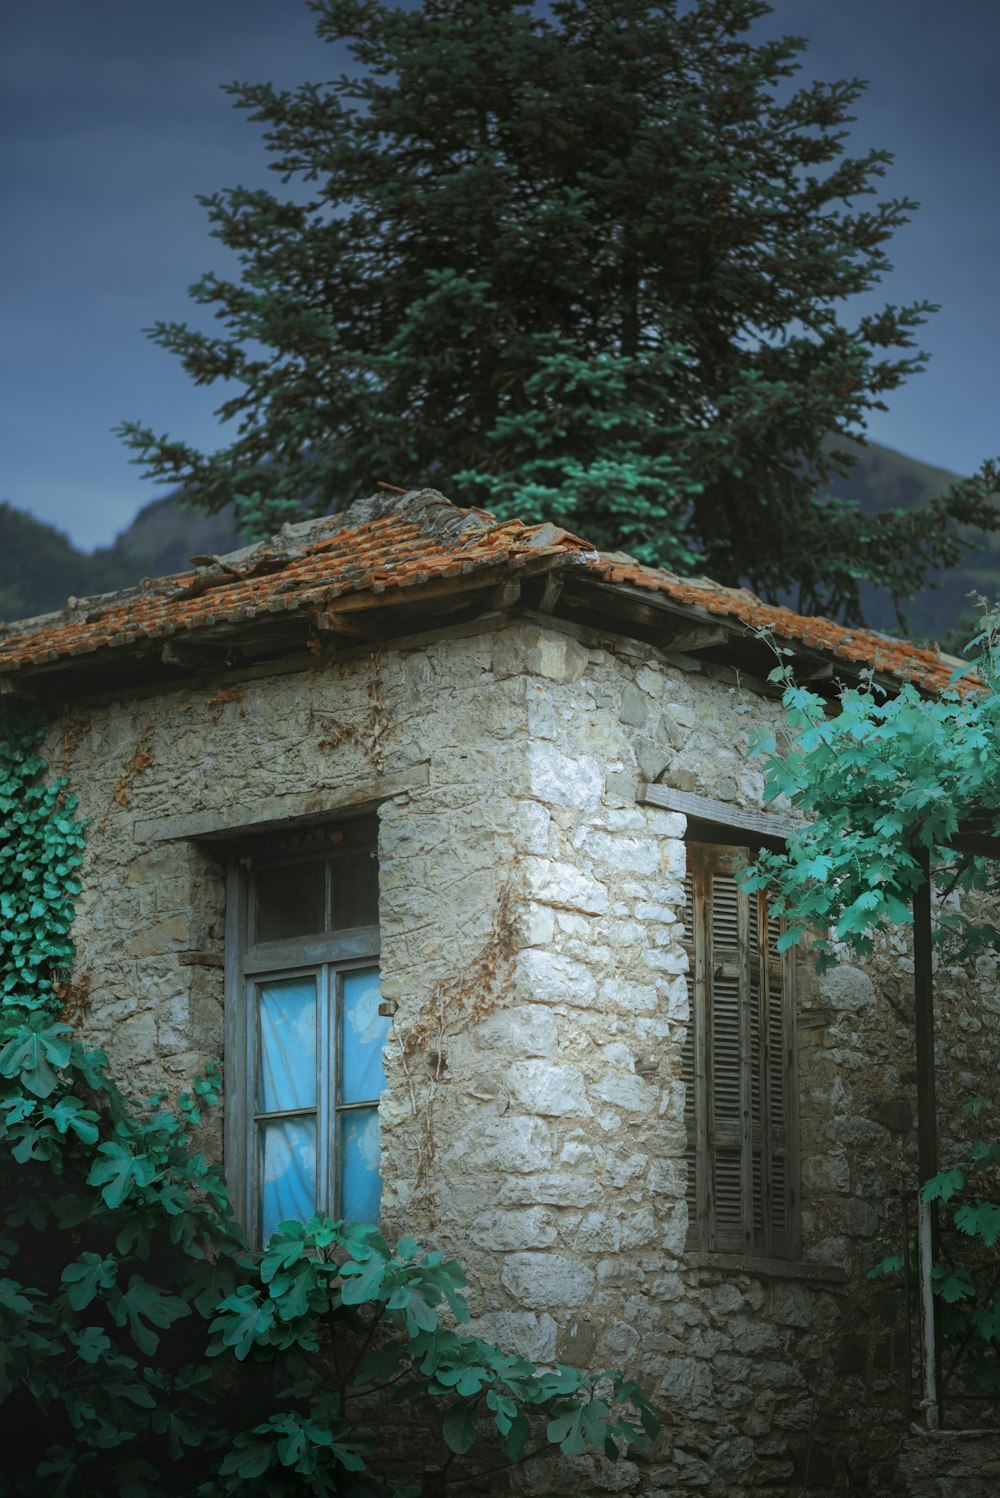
column 409, row 542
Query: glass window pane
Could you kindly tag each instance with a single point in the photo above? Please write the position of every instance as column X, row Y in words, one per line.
column 290, row 901
column 286, row 1045
column 363, row 1033
column 287, row 1167
column 355, row 890
column 357, row 1165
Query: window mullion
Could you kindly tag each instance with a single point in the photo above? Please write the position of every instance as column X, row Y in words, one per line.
column 325, row 1082
column 252, row 1142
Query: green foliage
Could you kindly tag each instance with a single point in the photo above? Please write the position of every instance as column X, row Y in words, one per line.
column 966, row 1276
column 882, row 777
column 567, row 261
column 144, row 1350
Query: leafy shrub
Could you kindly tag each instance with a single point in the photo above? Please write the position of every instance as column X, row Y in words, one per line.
column 144, row 1350
column 966, row 1276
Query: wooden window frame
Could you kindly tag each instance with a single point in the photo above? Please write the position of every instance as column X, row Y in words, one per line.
column 766, row 1223
column 250, row 963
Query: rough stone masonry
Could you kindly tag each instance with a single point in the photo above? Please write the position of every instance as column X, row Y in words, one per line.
column 531, row 914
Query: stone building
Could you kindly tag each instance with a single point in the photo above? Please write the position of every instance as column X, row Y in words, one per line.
column 429, row 824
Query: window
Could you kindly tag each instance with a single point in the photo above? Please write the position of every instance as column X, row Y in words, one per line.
column 305, row 1029
column 739, row 1065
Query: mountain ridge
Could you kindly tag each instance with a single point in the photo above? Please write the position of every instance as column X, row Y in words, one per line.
column 40, row 567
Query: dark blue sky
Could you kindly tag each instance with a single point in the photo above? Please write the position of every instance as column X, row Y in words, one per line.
column 111, row 120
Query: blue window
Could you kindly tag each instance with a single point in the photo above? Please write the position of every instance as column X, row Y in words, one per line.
column 306, row 1030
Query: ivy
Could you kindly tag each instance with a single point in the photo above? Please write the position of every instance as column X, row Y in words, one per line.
column 145, row 1351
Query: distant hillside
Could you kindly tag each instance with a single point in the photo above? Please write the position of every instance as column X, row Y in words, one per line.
column 883, row 480
column 40, row 567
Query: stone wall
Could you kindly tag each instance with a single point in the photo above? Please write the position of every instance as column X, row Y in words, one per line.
column 950, row 1464
column 531, row 916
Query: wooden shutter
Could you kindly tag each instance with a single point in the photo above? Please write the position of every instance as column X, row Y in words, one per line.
column 738, row 1064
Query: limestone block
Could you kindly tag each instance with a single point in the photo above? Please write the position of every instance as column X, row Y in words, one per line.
column 157, row 864
column 650, row 680
column 530, row 827
column 548, row 1090
column 561, row 780
column 687, row 1380
column 666, row 824
column 501, row 1145
column 165, row 936
column 495, row 1228
column 522, row 1332
column 617, row 1054
column 734, row 1459
column 668, row 1178
column 527, row 1030
column 638, row 1228
column 827, row 1171
column 525, row 650
column 550, row 1477
column 628, row 997
column 633, row 855
column 133, row 1042
column 856, row 1217
column 550, row 978
column 634, row 708
column 626, row 1090
column 620, row 1344
column 545, row 1281
column 862, row 1133
column 552, row 1189
column 674, row 1224
column 673, row 960
column 574, row 1152
column 564, row 886
column 847, row 988
column 623, row 819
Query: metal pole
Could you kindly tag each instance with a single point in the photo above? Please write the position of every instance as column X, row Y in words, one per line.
column 927, row 1150
column 907, row 1271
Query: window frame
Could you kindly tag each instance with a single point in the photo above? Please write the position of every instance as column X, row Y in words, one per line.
column 706, row 1233
column 247, row 965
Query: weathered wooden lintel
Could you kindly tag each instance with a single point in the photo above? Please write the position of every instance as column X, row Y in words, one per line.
column 723, row 815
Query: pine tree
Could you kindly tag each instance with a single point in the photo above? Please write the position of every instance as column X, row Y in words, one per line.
column 591, row 262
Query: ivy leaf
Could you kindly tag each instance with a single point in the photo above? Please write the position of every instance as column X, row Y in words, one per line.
column 86, row 1276
column 144, row 1303
column 979, row 1220
column 953, row 1285
column 119, row 1171
column 251, row 1458
column 91, row 1343
column 566, row 1432
column 242, row 1321
column 70, row 1113
column 459, row 1428
column 32, row 1053
column 361, row 1282
column 420, row 1317
column 942, row 1187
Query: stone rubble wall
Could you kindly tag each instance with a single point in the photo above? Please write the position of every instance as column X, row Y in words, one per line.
column 950, row 1464
column 533, row 1120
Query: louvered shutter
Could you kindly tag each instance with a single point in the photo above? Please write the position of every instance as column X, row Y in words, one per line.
column 738, row 1064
